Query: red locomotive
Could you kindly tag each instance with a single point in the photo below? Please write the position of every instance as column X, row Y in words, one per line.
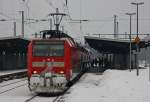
column 55, row 61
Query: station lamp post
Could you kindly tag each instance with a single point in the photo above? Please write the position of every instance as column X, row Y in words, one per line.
column 130, row 14
column 137, row 4
column 137, row 38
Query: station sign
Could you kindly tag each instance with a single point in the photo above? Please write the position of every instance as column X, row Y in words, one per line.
column 137, row 40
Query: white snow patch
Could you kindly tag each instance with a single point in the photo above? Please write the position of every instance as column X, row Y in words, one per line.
column 112, row 86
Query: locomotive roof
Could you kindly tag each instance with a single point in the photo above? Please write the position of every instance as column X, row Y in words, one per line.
column 57, row 35
column 54, row 34
column 70, row 41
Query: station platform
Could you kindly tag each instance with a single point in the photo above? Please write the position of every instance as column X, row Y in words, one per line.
column 6, row 72
column 13, row 53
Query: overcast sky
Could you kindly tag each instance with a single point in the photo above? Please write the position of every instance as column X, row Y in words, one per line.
column 99, row 13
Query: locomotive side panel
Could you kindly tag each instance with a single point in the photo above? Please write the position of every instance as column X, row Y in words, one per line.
column 29, row 59
column 67, row 57
column 78, row 61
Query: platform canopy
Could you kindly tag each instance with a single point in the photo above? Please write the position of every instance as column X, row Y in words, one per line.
column 13, row 45
column 108, row 45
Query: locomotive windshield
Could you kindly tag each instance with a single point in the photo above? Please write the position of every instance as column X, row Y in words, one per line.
column 48, row 49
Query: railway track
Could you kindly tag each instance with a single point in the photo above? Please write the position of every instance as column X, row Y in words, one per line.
column 13, row 85
column 12, row 88
column 58, row 97
column 52, row 98
column 34, row 98
column 14, row 82
column 12, row 76
column 28, row 100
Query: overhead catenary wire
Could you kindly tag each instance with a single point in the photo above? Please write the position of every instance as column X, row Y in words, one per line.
column 67, row 11
column 66, row 8
column 50, row 4
column 5, row 15
column 140, row 19
column 28, row 8
column 109, row 20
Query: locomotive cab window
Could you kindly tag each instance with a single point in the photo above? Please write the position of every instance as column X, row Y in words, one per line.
column 48, row 49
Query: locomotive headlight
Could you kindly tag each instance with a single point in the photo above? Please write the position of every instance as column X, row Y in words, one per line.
column 35, row 72
column 61, row 72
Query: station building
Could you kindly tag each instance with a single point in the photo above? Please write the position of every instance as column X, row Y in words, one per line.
column 115, row 52
column 13, row 53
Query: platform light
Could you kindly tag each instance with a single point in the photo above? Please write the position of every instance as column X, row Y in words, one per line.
column 130, row 15
column 137, row 46
column 137, row 4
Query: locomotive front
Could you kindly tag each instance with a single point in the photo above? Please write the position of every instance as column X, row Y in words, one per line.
column 46, row 66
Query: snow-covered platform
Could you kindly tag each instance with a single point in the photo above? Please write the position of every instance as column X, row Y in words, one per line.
column 112, row 86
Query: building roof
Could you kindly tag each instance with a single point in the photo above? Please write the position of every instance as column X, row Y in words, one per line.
column 13, row 44
column 108, row 45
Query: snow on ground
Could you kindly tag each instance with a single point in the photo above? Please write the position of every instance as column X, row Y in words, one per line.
column 112, row 86
column 21, row 94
